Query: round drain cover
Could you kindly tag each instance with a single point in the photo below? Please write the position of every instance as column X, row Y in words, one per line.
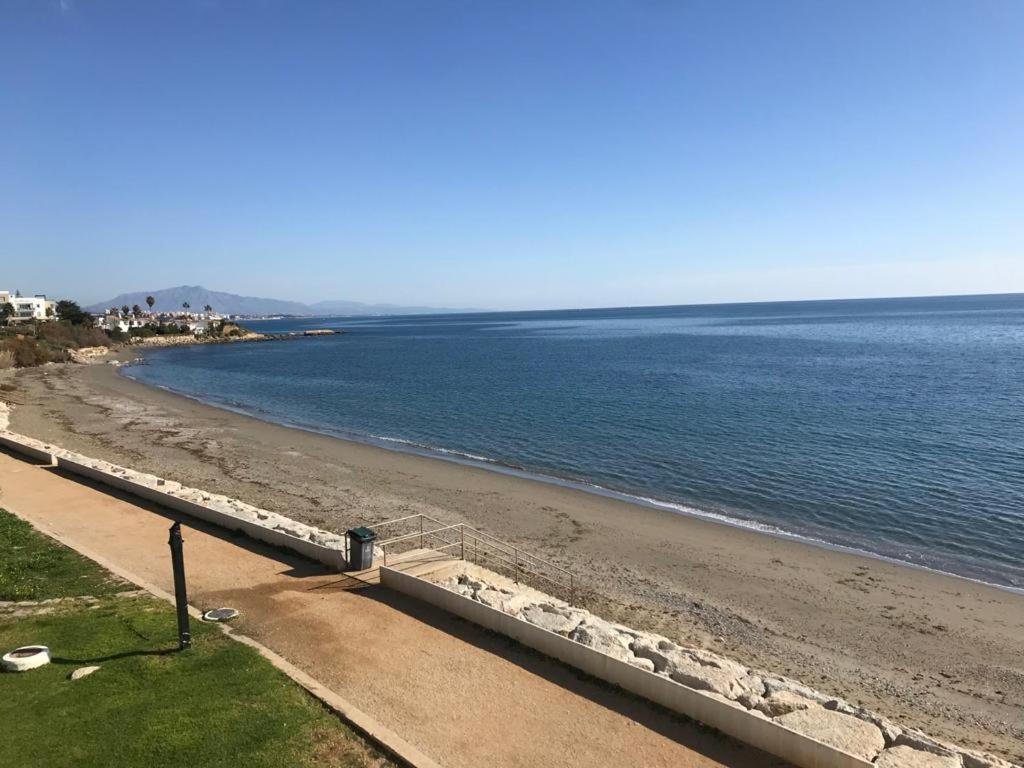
column 220, row 614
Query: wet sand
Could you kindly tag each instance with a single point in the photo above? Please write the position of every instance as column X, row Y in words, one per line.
column 930, row 651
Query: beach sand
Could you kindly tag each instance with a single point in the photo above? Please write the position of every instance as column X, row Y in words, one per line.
column 933, row 652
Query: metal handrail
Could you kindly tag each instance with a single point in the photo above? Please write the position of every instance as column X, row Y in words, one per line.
column 501, row 551
column 519, row 566
column 481, row 534
column 418, row 515
column 403, row 537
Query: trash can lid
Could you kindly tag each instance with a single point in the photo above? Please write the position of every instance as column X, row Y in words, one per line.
column 362, row 534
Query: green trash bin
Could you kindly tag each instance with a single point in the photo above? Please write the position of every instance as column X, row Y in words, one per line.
column 360, row 548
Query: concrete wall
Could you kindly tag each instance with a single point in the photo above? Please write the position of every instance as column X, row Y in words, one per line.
column 330, row 557
column 11, row 442
column 732, row 720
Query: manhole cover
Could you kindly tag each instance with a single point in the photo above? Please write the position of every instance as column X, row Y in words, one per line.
column 220, row 614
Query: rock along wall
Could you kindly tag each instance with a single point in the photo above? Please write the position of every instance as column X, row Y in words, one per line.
column 851, row 731
column 223, row 511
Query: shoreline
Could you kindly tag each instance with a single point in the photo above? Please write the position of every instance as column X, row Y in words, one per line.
column 937, row 652
column 410, row 448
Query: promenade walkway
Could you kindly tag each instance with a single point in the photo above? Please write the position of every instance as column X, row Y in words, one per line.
column 462, row 696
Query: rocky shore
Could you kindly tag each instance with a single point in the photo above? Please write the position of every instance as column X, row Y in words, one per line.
column 181, row 340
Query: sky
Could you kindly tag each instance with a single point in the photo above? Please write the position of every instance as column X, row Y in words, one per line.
column 512, row 155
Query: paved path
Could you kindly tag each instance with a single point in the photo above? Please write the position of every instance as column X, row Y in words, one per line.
column 462, row 696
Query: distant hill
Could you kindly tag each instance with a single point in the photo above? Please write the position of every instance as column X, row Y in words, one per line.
column 171, row 299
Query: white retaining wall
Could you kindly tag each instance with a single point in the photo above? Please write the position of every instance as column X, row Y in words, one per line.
column 9, row 440
column 771, row 737
column 332, row 557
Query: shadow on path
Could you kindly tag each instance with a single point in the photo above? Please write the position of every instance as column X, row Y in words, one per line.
column 689, row 733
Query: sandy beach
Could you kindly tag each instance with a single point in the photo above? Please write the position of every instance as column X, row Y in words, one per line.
column 931, row 651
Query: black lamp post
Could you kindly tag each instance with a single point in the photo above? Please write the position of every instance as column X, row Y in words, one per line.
column 180, row 597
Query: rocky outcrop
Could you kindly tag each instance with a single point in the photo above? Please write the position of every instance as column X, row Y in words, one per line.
column 789, row 703
column 87, row 355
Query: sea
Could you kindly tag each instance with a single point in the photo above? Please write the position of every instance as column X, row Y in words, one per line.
column 888, row 426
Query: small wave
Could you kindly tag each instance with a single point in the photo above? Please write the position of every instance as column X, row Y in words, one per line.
column 430, row 448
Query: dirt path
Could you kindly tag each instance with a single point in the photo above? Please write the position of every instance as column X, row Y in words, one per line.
column 464, row 697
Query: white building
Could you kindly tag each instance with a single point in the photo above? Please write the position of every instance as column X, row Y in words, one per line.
column 28, row 307
column 123, row 324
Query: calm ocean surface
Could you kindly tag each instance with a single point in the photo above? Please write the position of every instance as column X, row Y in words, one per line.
column 894, row 426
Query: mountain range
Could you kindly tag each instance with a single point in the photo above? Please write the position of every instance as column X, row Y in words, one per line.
column 171, row 299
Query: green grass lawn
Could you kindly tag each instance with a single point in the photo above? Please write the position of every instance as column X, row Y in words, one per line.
column 218, row 704
column 35, row 567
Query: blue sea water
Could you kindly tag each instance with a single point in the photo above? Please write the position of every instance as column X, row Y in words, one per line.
column 893, row 426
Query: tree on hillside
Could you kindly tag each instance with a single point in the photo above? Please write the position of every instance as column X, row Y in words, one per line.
column 150, row 301
column 207, row 309
column 69, row 312
column 137, row 310
column 6, row 312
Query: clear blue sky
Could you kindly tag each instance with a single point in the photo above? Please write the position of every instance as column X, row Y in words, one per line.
column 513, row 154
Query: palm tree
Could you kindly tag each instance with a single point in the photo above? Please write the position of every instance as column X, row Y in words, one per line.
column 137, row 310
column 185, row 305
column 125, row 309
column 207, row 309
column 150, row 301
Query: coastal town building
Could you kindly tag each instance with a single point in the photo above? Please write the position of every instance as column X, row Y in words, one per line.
column 28, row 308
column 198, row 324
column 112, row 322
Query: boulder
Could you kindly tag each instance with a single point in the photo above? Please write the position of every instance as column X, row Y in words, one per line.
column 602, row 636
column 908, row 757
column 552, row 617
column 923, row 743
column 644, row 648
column 783, row 702
column 890, row 731
column 492, row 598
column 81, row 672
column 704, row 671
column 703, row 678
column 979, row 760
column 776, row 684
column 844, row 732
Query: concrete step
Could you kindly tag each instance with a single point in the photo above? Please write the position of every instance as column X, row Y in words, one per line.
column 416, row 562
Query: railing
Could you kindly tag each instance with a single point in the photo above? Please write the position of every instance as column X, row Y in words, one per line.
column 469, row 544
